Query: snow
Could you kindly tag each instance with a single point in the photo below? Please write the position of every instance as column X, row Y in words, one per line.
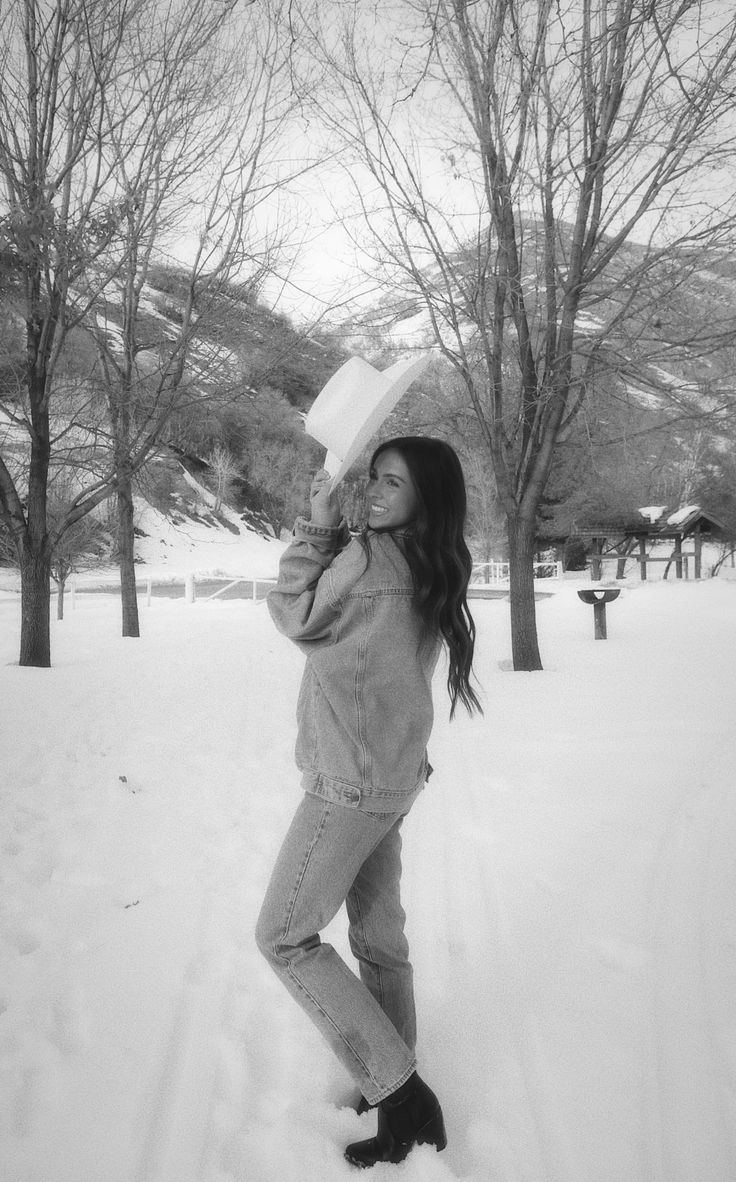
column 673, row 380
column 654, row 512
column 177, row 545
column 587, row 322
column 643, row 397
column 569, row 881
column 682, row 514
column 11, row 430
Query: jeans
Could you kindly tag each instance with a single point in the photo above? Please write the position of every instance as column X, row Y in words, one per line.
column 333, row 854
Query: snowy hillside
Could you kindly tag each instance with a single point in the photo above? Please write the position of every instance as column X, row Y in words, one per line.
column 188, row 538
column 243, row 362
column 191, row 538
column 184, row 545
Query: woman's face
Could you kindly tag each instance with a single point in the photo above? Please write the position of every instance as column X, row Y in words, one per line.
column 392, row 500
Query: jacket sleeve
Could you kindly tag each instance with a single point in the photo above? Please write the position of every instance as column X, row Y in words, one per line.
column 301, row 604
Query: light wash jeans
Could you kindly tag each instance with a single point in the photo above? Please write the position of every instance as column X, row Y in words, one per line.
column 333, row 854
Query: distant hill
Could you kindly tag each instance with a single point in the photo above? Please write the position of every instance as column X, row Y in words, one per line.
column 251, row 375
column 658, row 421
column 671, row 338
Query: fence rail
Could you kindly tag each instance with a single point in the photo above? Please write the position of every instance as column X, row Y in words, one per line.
column 192, row 588
column 494, row 573
column 203, row 588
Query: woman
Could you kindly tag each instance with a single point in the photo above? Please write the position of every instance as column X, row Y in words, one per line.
column 371, row 616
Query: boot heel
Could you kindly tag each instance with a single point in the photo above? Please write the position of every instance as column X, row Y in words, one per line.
column 433, row 1133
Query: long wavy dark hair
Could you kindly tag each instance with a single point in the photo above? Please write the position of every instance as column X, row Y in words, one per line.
column 437, row 554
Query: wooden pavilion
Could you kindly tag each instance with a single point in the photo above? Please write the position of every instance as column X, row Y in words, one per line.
column 634, row 538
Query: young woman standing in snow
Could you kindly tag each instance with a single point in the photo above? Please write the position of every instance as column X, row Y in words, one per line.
column 371, row 617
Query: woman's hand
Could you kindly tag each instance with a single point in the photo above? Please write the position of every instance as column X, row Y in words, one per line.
column 325, row 505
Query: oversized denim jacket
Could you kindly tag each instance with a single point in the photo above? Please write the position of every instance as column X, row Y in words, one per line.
column 364, row 711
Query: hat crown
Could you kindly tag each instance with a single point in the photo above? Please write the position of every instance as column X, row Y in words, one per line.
column 353, row 404
column 343, row 404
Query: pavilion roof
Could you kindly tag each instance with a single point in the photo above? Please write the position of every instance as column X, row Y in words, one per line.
column 678, row 523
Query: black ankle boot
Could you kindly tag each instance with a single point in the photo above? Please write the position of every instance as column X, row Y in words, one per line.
column 408, row 1117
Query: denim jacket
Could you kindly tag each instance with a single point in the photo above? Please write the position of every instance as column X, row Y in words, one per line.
column 364, row 711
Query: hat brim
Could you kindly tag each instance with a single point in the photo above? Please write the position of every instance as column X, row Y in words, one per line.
column 353, row 405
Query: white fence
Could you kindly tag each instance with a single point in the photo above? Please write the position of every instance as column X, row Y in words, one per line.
column 497, row 573
column 192, row 588
column 204, row 588
column 239, row 588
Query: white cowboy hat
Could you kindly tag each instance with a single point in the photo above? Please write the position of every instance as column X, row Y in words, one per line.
column 349, row 410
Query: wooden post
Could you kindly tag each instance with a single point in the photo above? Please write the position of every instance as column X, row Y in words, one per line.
column 698, row 550
column 595, row 562
column 678, row 556
column 643, row 557
column 599, row 620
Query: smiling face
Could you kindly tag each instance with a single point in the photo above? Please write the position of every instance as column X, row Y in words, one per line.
column 392, row 499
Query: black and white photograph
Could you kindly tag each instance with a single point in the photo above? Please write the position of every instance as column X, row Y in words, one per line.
column 367, row 590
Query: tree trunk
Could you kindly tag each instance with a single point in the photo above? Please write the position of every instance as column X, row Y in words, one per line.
column 60, row 589
column 126, row 548
column 35, row 551
column 524, row 644
column 35, row 627
column 626, row 548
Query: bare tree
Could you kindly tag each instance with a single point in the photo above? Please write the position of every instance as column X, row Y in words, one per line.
column 54, row 58
column 202, row 124
column 121, row 124
column 224, row 468
column 542, row 176
column 79, row 548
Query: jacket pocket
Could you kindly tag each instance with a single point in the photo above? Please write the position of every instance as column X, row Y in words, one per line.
column 334, row 791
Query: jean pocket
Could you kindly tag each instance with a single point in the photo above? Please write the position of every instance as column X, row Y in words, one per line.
column 389, row 804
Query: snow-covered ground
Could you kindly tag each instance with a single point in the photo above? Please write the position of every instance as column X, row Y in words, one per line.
column 172, row 547
column 169, row 547
column 569, row 879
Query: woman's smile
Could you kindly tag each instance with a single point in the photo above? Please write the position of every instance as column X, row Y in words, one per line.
column 392, row 499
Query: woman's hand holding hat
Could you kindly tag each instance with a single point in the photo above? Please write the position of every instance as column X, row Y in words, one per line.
column 325, row 505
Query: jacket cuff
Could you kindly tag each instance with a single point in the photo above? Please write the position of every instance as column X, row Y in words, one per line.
column 307, row 531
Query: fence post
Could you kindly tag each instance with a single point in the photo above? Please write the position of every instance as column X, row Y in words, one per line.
column 643, row 559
